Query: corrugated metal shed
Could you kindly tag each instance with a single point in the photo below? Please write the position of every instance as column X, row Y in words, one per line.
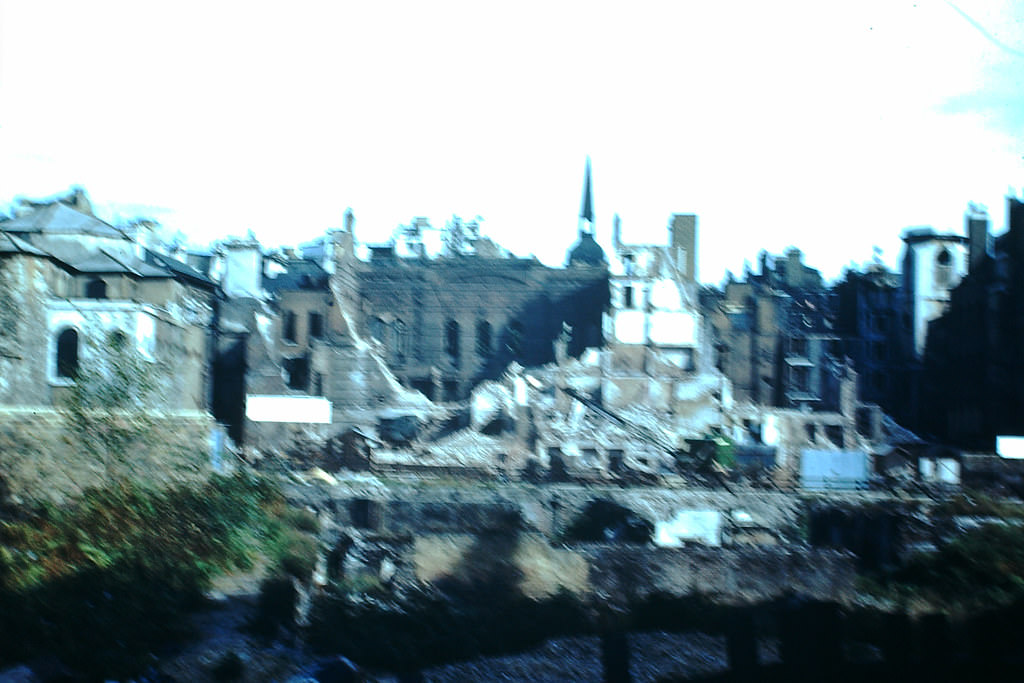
column 845, row 470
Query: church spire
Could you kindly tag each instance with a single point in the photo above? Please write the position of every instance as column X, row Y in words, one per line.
column 587, row 209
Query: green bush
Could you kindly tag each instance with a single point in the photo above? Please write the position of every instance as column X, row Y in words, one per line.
column 298, row 554
column 103, row 581
column 982, row 568
column 302, row 520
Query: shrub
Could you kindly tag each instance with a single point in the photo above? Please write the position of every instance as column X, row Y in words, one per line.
column 104, row 581
column 299, row 554
column 302, row 520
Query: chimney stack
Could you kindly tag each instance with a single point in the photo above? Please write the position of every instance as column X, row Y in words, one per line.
column 976, row 225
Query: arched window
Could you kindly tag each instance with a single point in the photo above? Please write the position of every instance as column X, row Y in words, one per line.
column 483, row 338
column 944, row 268
column 515, row 338
column 96, row 289
column 399, row 340
column 451, row 340
column 67, row 353
column 377, row 329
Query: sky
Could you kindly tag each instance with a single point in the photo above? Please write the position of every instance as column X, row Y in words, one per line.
column 829, row 126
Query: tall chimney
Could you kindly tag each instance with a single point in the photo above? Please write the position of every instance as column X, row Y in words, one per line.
column 976, row 225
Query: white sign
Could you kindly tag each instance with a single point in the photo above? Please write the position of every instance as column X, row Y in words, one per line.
column 303, row 409
column 1010, row 447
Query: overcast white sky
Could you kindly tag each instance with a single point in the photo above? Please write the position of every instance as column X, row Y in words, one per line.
column 830, row 126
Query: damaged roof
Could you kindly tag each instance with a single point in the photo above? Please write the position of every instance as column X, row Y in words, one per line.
column 58, row 218
column 11, row 244
column 299, row 274
column 47, row 229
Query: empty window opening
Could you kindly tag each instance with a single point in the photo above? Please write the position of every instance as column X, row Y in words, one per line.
column 424, row 386
column 450, row 387
column 288, row 331
column 96, row 289
column 399, row 341
column 615, row 464
column 297, row 370
column 836, row 434
column 316, row 325
column 377, row 329
column 515, row 338
column 944, row 268
column 802, row 378
column 483, row 338
column 67, row 354
column 864, row 422
column 451, row 340
column 627, row 297
column 628, row 263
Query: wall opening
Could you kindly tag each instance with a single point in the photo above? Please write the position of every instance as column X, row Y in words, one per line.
column 515, row 338
column 288, row 329
column 944, row 268
column 399, row 341
column 96, row 289
column 316, row 325
column 451, row 340
column 483, row 338
column 67, row 354
column 377, row 329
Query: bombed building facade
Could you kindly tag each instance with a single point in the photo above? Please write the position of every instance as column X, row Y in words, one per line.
column 71, row 284
column 445, row 351
column 404, row 323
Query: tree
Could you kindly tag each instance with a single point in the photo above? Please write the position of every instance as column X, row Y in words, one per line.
column 109, row 404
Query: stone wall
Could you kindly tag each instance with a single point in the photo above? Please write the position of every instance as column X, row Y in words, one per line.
column 41, row 458
column 623, row 572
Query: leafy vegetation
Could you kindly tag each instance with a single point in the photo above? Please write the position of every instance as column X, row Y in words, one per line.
column 981, row 569
column 977, row 503
column 108, row 404
column 101, row 583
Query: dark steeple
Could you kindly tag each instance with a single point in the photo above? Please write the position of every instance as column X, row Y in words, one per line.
column 587, row 209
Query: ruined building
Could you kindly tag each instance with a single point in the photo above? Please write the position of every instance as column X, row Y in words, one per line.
column 871, row 319
column 387, row 328
column 71, row 284
column 774, row 335
column 656, row 342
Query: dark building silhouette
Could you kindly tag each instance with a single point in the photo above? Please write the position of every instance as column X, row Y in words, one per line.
column 870, row 320
column 972, row 386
